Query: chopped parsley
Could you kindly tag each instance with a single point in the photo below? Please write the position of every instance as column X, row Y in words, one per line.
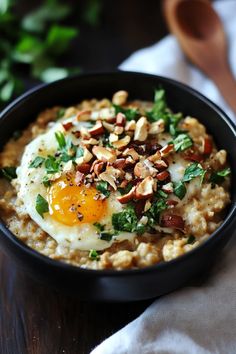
column 52, row 165
column 191, row 240
column 192, row 171
column 182, row 142
column 37, row 162
column 130, row 113
column 60, row 113
column 94, row 255
column 179, row 189
column 125, row 220
column 154, row 212
column 106, row 235
column 219, row 176
column 102, row 187
column 41, row 205
column 60, row 139
column 8, row 172
column 99, row 226
column 159, row 109
column 46, row 181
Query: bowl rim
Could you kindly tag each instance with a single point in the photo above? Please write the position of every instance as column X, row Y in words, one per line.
column 230, row 218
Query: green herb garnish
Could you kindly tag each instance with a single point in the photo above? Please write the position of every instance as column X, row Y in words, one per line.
column 219, row 176
column 60, row 113
column 41, row 205
column 52, row 165
column 126, row 220
column 192, row 171
column 154, row 212
column 106, row 235
column 46, row 181
column 94, row 255
column 99, row 226
column 102, row 187
column 182, row 142
column 179, row 190
column 191, row 240
column 8, row 172
column 61, row 140
column 37, row 162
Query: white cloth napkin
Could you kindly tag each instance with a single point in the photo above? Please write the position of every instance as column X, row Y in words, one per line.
column 195, row 319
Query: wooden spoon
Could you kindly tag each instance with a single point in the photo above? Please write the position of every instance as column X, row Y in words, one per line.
column 202, row 38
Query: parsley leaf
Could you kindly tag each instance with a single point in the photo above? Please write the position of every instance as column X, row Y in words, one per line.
column 52, row 164
column 154, row 212
column 94, row 255
column 180, row 189
column 8, row 172
column 126, row 220
column 130, row 113
column 60, row 139
column 158, row 110
column 41, row 205
column 191, row 239
column 192, row 171
column 219, row 176
column 102, row 187
column 60, row 113
column 46, row 181
column 99, row 226
column 37, row 162
column 106, row 235
column 182, row 142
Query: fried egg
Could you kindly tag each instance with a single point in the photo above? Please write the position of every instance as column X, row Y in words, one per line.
column 73, row 209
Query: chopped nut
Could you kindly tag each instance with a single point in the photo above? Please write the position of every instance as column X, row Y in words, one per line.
column 84, row 133
column 103, row 154
column 113, row 137
column 166, row 149
column 145, row 188
column 162, row 176
column 123, row 199
column 67, row 125
column 131, row 125
column 119, row 163
column 141, row 130
column 97, row 129
column 156, row 157
column 143, row 220
column 79, row 177
column 84, row 168
column 128, row 176
column 85, row 158
column 131, row 152
column 110, row 176
column 120, row 97
column 122, row 142
column 97, row 167
column 90, row 141
column 118, row 130
column 68, row 166
column 83, row 115
column 168, row 188
column 144, row 169
column 120, row 119
column 157, row 127
column 108, row 126
column 147, row 206
column 71, row 111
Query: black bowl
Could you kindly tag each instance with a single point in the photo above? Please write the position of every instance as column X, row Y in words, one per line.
column 126, row 285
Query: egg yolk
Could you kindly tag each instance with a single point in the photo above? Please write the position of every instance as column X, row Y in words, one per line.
column 73, row 204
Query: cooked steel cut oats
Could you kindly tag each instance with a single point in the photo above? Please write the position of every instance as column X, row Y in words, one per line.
column 113, row 184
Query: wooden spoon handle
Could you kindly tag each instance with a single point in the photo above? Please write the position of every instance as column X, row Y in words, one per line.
column 226, row 84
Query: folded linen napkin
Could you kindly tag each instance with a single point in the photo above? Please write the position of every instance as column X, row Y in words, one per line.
column 195, row 319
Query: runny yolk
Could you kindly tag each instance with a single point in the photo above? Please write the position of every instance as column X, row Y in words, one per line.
column 71, row 204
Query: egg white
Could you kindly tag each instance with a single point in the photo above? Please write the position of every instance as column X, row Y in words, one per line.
column 81, row 237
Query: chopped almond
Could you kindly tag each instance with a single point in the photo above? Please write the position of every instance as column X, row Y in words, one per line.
column 131, row 152
column 120, row 97
column 103, row 154
column 83, row 115
column 162, row 176
column 123, row 199
column 120, row 119
column 110, row 176
column 84, row 168
column 67, row 125
column 84, row 133
column 122, row 142
column 87, row 156
column 131, row 125
column 144, row 169
column 97, row 129
column 141, row 130
column 166, row 150
column 173, row 221
column 156, row 157
column 97, row 167
column 113, row 137
column 168, row 188
column 157, row 127
column 108, row 126
column 145, row 188
column 90, row 141
column 118, row 130
column 120, row 163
